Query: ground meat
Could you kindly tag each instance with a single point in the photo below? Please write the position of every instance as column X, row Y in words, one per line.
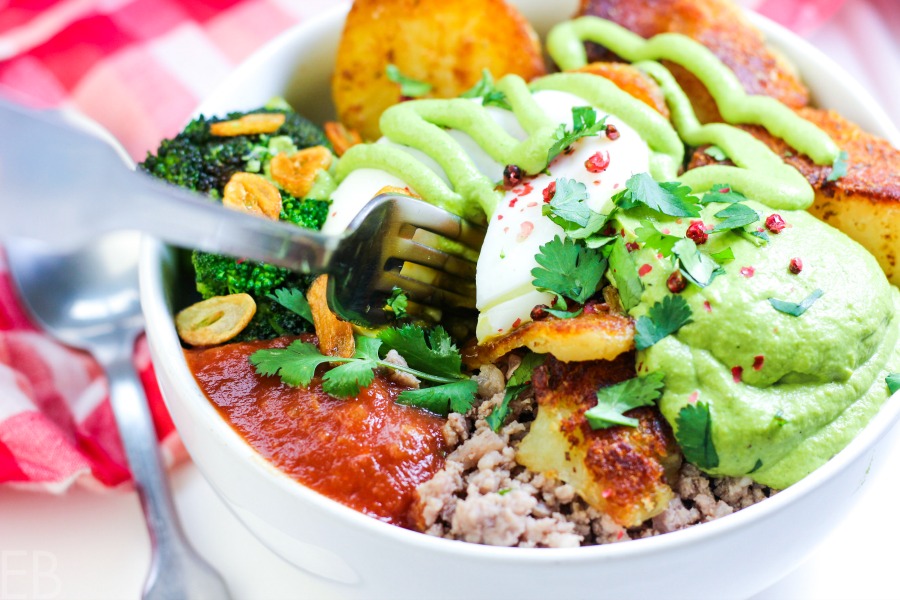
column 406, row 379
column 482, row 495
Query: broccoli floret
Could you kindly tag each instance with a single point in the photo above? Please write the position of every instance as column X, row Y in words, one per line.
column 200, row 161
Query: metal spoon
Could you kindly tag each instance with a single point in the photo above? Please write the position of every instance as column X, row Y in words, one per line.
column 89, row 300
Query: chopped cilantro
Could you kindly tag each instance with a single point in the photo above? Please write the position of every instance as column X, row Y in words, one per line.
column 662, row 319
column 560, row 309
column 584, row 124
column 735, row 216
column 498, row 415
column 838, row 167
column 568, row 269
column 722, row 193
column 625, row 275
column 615, row 400
column 484, row 89
column 409, row 87
column 525, row 370
column 715, row 153
column 893, row 382
column 568, row 206
column 795, row 310
column 436, row 360
column 294, row 301
column 779, row 419
column 758, row 237
column 670, row 198
column 650, row 236
column 722, row 256
column 695, row 265
column 694, row 435
column 397, row 303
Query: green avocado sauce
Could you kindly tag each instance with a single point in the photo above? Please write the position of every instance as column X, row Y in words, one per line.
column 804, row 385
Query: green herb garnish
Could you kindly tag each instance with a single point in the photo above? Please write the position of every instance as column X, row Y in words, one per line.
column 397, row 303
column 518, row 383
column 293, row 300
column 650, row 236
column 569, row 208
column 722, row 256
column 722, row 193
column 795, row 310
column 695, row 265
column 669, row 198
column 737, row 215
column 694, row 435
column 409, row 87
column 484, row 89
column 615, row 400
column 568, row 269
column 584, row 124
column 662, row 319
column 625, row 275
column 838, row 167
column 893, row 382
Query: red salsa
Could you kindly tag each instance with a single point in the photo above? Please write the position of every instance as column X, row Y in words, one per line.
column 368, row 453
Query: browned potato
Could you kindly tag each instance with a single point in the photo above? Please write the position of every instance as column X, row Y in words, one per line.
column 621, row 471
column 445, row 43
column 865, row 203
column 720, row 26
column 632, row 80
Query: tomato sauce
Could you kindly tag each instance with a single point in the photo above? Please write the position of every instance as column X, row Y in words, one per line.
column 368, row 453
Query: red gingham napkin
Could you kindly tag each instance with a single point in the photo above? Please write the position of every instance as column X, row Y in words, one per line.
column 138, row 67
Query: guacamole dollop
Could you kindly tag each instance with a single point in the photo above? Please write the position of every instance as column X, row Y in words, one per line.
column 784, row 393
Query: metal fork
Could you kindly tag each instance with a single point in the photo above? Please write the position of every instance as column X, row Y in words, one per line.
column 62, row 185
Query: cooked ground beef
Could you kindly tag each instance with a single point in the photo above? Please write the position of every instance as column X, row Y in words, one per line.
column 482, row 495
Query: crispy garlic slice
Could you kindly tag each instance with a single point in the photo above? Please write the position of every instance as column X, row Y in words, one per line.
column 215, row 320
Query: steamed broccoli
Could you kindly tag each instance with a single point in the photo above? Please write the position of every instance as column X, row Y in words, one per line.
column 199, row 161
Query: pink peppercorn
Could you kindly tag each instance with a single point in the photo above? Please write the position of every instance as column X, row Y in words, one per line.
column 597, row 163
column 697, row 232
column 549, row 192
column 612, row 133
column 795, row 266
column 512, row 175
column 676, row 282
column 775, row 223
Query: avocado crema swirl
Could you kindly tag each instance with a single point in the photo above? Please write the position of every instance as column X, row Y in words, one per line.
column 784, row 393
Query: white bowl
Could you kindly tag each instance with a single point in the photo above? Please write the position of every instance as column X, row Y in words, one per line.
column 365, row 558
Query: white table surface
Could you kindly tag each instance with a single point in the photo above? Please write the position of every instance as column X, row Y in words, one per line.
column 90, row 546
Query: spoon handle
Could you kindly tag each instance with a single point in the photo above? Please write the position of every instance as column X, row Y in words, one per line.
column 176, row 571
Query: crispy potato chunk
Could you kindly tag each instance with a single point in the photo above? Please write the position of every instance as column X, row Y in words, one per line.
column 621, row 471
column 720, row 26
column 632, row 80
column 599, row 335
column 445, row 43
column 865, row 203
column 335, row 336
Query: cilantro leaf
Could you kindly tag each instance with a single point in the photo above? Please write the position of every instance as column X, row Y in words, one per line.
column 650, row 236
column 345, row 381
column 584, row 124
column 722, row 193
column 695, row 265
column 498, row 415
column 694, row 435
column 438, row 355
column 735, row 216
column 664, row 318
column 715, row 153
column 440, row 399
column 838, row 167
column 795, row 310
column 725, row 255
column 397, row 303
column 669, row 198
column 484, row 89
column 525, row 370
column 409, row 87
column 624, row 273
column 568, row 269
column 560, row 309
column 294, row 301
column 615, row 400
column 568, row 205
column 893, row 382
column 296, row 364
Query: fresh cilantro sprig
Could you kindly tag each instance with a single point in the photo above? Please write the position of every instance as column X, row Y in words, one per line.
column 293, row 300
column 568, row 269
column 569, row 208
column 722, row 193
column 893, row 382
column 435, row 359
column 584, row 124
column 518, row 383
column 397, row 303
column 669, row 198
column 624, row 273
column 560, row 309
column 615, row 400
column 736, row 216
column 694, row 435
column 793, row 309
column 484, row 89
column 839, row 166
column 409, row 87
column 662, row 319
column 651, row 237
column 695, row 265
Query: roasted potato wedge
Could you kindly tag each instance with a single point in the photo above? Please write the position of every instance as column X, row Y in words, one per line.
column 444, row 43
column 864, row 203
column 720, row 26
column 632, row 80
column 621, row 471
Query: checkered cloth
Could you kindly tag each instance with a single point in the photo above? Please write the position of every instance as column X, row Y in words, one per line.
column 138, row 67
